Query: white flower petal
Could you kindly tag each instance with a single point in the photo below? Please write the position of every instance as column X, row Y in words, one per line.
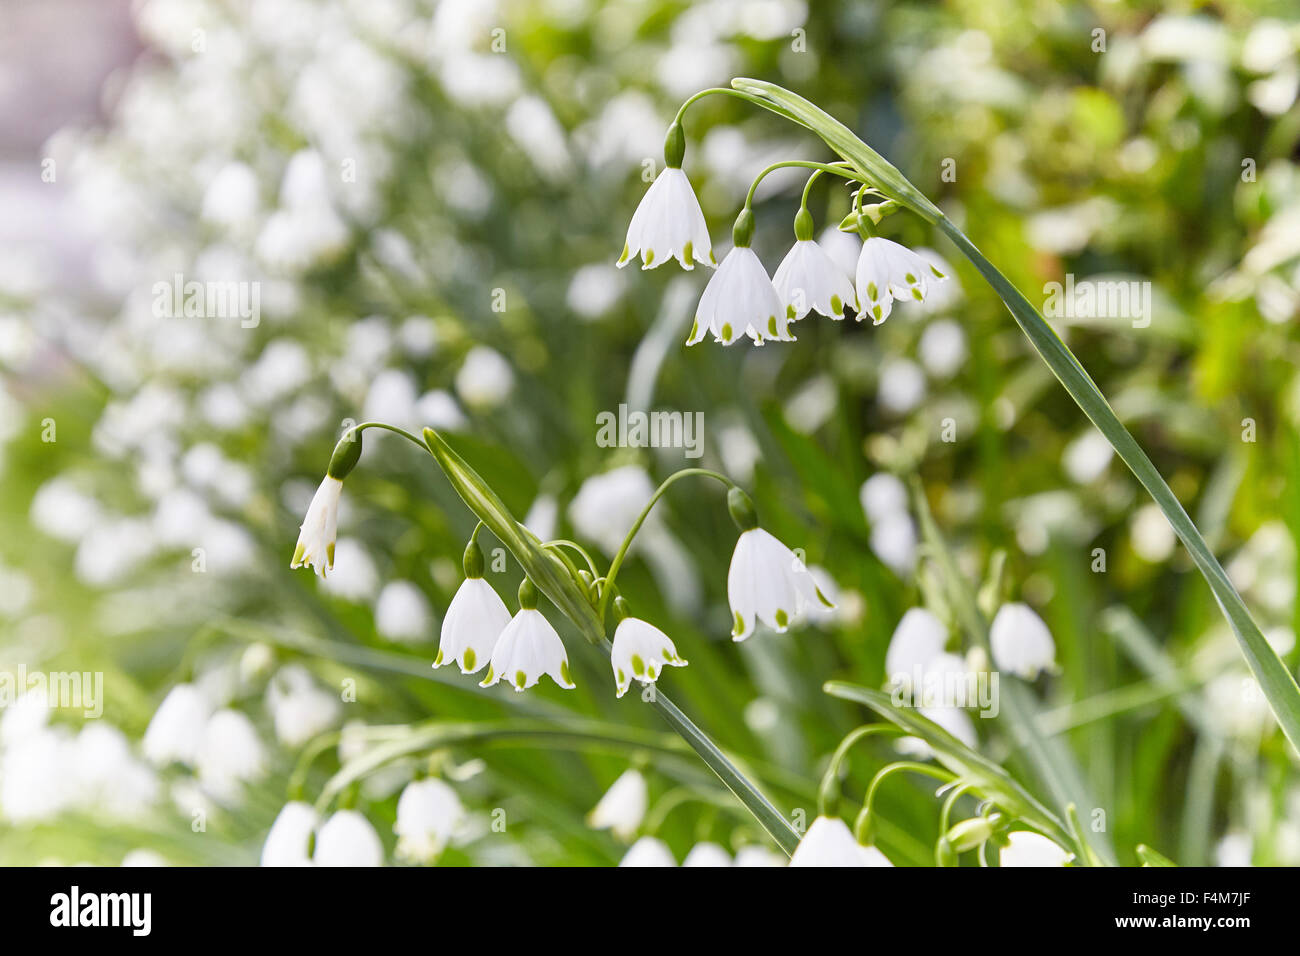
column 474, row 622
column 668, row 223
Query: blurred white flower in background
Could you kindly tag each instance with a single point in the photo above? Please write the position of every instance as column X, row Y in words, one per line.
column 299, row 707
column 707, row 854
column 176, row 731
column 1021, row 642
column 648, row 851
column 230, row 755
column 623, row 806
column 485, row 379
column 289, row 839
column 902, row 385
column 348, row 839
column 429, row 815
column 402, row 613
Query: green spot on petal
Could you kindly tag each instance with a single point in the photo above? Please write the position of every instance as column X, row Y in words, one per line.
column 626, row 254
column 687, row 253
column 876, row 310
column 638, row 665
column 649, row 256
column 872, row 292
column 790, row 313
column 937, row 273
column 916, row 294
column 521, row 679
column 739, row 625
column 837, row 305
column 468, row 658
column 782, row 619
column 622, row 677
column 564, row 671
column 823, row 598
column 771, row 326
column 726, row 332
column 437, row 661
column 911, row 279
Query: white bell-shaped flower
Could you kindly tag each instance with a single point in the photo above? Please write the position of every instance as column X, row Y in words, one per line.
column 289, row 840
column 429, row 815
column 231, row 754
column 528, row 648
column 622, row 807
column 348, row 839
column 830, row 842
column 648, row 851
column 1021, row 642
column 1025, row 848
column 809, row 279
column 707, row 854
column 475, row 619
column 887, row 272
column 176, row 730
column 917, row 640
column 640, row 651
column 668, row 223
column 768, row 582
column 741, row 300
column 319, row 531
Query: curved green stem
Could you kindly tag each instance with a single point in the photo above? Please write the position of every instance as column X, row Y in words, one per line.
column 828, row 793
column 862, row 825
column 716, row 90
column 608, row 590
column 836, row 169
column 390, row 428
column 566, row 543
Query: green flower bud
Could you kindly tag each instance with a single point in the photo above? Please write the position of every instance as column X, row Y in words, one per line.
column 969, row 834
column 742, row 510
column 473, row 559
column 346, row 455
column 621, row 608
column 527, row 595
column 674, row 146
column 742, row 233
column 803, row 224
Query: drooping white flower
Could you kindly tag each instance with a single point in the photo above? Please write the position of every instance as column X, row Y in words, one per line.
column 300, row 708
column 1021, row 642
column 485, row 378
column 917, row 640
column 429, row 814
column 755, row 855
column 767, row 582
column 319, row 530
column 887, row 271
column 830, row 842
column 622, row 807
column 707, row 854
column 1025, row 848
column 809, row 280
column 402, row 612
column 289, row 839
column 474, row 622
column 176, row 730
column 528, row 648
column 648, row 851
column 668, row 224
column 348, row 839
column 741, row 300
column 640, row 651
column 230, row 754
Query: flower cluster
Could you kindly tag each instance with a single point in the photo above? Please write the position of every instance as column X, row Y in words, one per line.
column 740, row 300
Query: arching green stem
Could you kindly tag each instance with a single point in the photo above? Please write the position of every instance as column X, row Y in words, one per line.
column 841, row 169
column 828, row 794
column 608, row 589
column 861, row 827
